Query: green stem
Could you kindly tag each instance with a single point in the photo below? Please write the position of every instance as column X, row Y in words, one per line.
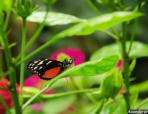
column 22, row 66
column 134, row 29
column 93, row 7
column 7, row 20
column 53, row 39
column 69, row 93
column 133, row 35
column 1, row 65
column 35, row 35
column 13, row 91
column 111, row 34
column 125, row 64
column 12, row 75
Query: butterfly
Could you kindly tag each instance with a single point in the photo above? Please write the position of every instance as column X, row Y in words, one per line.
column 47, row 68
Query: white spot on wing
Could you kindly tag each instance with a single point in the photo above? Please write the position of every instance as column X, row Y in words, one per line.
column 40, row 68
column 48, row 62
column 36, row 61
column 35, row 68
column 40, row 62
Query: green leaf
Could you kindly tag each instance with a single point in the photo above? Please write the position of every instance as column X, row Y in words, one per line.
column 140, row 87
column 55, row 106
column 54, row 18
column 132, row 66
column 111, row 84
column 101, row 23
column 133, row 99
column 92, row 68
column 99, row 106
column 138, row 50
column 142, row 104
column 117, row 107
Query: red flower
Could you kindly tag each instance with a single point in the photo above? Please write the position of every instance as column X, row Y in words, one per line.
column 5, row 94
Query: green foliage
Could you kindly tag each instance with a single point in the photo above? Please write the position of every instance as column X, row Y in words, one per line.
column 139, row 49
column 92, row 68
column 92, row 25
column 133, row 98
column 118, row 106
column 101, row 65
column 132, row 66
column 99, row 106
column 54, row 18
column 140, row 87
column 111, row 84
column 100, row 23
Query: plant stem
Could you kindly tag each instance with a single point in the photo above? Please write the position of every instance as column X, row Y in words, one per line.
column 22, row 66
column 134, row 29
column 111, row 34
column 7, row 20
column 12, row 75
column 69, row 93
column 125, row 64
column 35, row 35
column 93, row 7
column 133, row 35
column 53, row 39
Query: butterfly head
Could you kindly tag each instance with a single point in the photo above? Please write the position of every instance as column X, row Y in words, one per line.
column 68, row 62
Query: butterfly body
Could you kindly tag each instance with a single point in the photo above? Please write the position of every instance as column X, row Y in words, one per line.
column 48, row 69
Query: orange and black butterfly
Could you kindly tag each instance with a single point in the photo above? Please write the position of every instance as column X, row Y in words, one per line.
column 48, row 69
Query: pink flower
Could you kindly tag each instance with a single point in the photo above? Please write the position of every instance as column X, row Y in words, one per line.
column 32, row 81
column 119, row 64
column 69, row 53
column 35, row 81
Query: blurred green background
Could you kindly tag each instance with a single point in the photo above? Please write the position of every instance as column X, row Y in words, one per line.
column 88, row 44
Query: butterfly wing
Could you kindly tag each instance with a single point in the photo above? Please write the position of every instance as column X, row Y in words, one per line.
column 46, row 68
